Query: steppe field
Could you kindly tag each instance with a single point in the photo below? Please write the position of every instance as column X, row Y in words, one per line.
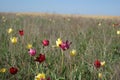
column 41, row 46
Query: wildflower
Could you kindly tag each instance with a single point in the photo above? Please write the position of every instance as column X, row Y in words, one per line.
column 99, row 24
column 100, row 75
column 118, row 32
column 3, row 70
column 4, row 20
column 50, row 19
column 14, row 40
column 10, row 30
column 32, row 52
column 65, row 45
column 45, row 42
column 29, row 46
column 58, row 42
column 73, row 52
column 68, row 19
column 97, row 64
column 40, row 58
column 102, row 63
column 3, row 17
column 53, row 21
column 17, row 14
column 115, row 24
column 21, row 32
column 13, row 70
column 40, row 76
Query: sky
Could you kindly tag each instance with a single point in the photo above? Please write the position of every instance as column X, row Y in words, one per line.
column 84, row 7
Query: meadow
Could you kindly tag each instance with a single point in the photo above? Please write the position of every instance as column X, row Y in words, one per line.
column 57, row 47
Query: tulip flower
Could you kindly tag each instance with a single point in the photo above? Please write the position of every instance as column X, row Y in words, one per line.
column 14, row 40
column 73, row 52
column 40, row 58
column 3, row 17
column 58, row 42
column 97, row 64
column 102, row 63
column 65, row 45
column 115, row 24
column 40, row 76
column 13, row 70
column 100, row 75
column 10, row 30
column 3, row 70
column 21, row 32
column 99, row 24
column 29, row 46
column 32, row 52
column 68, row 19
column 118, row 32
column 45, row 42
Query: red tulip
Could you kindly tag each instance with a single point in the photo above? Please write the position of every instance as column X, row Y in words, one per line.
column 45, row 42
column 65, row 45
column 13, row 70
column 40, row 58
column 32, row 52
column 21, row 32
column 97, row 64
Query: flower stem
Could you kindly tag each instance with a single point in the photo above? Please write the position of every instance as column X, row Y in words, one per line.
column 62, row 59
column 37, row 67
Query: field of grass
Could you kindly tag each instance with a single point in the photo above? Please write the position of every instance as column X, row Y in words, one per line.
column 92, row 38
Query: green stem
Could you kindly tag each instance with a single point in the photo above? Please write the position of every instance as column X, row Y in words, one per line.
column 62, row 59
column 3, row 76
column 37, row 67
column 13, row 55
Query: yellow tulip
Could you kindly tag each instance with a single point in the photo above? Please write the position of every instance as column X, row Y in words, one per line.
column 99, row 24
column 3, row 70
column 58, row 42
column 3, row 17
column 73, row 52
column 50, row 19
column 10, row 30
column 14, row 40
column 40, row 76
column 103, row 63
column 68, row 19
column 29, row 46
column 113, row 25
column 4, row 20
column 17, row 14
column 118, row 32
column 100, row 75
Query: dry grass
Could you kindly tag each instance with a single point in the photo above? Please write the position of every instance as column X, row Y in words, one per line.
column 65, row 15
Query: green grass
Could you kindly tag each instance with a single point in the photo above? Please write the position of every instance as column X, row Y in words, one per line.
column 90, row 41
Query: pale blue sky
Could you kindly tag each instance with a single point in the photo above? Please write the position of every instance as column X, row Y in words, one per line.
column 87, row 7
